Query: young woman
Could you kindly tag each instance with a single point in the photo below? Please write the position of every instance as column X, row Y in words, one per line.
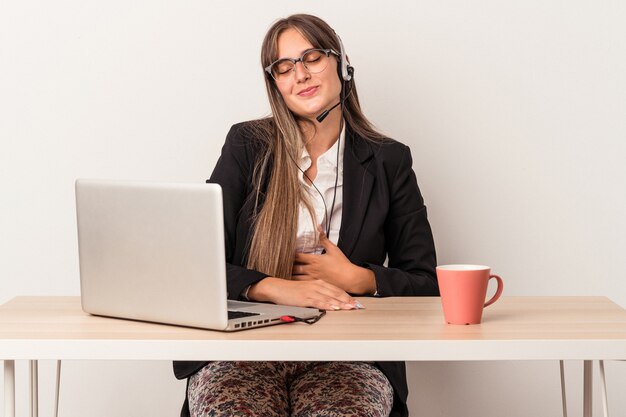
column 315, row 200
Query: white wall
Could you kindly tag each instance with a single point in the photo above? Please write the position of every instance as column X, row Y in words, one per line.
column 515, row 113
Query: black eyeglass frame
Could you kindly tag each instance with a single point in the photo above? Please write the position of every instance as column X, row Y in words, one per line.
column 294, row 61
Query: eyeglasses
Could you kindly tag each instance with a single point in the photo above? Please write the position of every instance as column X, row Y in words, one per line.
column 313, row 60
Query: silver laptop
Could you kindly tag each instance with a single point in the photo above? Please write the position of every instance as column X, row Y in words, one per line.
column 155, row 252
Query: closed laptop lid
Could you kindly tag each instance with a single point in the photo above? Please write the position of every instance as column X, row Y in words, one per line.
column 152, row 251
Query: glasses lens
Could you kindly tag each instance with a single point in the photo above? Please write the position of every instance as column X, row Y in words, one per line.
column 282, row 69
column 315, row 60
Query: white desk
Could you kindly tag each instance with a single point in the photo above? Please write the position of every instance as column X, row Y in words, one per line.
column 404, row 328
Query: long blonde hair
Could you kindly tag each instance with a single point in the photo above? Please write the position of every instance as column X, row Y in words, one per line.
column 277, row 198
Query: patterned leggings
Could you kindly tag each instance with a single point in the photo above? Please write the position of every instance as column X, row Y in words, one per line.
column 283, row 389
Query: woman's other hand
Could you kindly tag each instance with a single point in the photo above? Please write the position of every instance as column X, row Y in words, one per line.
column 334, row 268
column 311, row 293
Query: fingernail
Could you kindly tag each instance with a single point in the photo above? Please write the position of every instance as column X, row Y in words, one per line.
column 359, row 305
column 335, row 307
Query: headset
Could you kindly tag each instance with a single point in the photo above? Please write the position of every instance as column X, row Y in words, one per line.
column 346, row 72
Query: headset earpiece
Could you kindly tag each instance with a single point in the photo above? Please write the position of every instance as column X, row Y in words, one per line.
column 351, row 71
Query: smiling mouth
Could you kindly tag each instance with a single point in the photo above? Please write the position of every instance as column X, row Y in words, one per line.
column 308, row 92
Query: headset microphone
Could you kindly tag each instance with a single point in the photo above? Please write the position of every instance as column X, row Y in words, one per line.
column 322, row 116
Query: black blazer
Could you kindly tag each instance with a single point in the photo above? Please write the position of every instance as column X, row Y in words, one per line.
column 383, row 216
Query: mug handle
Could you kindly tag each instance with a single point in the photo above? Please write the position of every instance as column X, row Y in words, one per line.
column 498, row 291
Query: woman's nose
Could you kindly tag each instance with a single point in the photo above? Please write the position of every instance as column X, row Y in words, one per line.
column 302, row 74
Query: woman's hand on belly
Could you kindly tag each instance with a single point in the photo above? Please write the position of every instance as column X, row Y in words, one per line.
column 335, row 268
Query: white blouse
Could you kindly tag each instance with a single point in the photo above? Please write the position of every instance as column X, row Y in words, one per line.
column 327, row 171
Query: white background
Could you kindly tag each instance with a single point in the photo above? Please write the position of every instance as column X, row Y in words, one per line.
column 515, row 112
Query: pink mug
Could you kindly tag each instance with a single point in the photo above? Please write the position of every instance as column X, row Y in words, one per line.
column 463, row 289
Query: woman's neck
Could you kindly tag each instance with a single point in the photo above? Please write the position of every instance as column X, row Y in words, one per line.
column 325, row 134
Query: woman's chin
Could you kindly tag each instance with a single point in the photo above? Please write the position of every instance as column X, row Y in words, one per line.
column 311, row 112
